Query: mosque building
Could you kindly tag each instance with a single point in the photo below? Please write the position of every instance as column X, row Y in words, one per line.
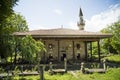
column 63, row 43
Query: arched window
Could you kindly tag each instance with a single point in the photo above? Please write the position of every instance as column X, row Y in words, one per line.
column 78, row 46
column 50, row 46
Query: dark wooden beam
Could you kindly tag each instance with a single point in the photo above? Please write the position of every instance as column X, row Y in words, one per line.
column 73, row 50
column 58, row 50
column 91, row 50
column 81, row 39
column 44, row 54
column 86, row 52
column 98, row 51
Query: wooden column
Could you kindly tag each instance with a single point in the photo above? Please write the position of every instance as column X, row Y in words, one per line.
column 44, row 54
column 58, row 50
column 86, row 54
column 98, row 51
column 73, row 51
column 91, row 50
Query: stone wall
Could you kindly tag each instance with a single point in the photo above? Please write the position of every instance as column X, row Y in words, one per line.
column 54, row 50
column 81, row 50
column 65, row 47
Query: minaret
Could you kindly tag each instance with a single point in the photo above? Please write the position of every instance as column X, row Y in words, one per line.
column 81, row 22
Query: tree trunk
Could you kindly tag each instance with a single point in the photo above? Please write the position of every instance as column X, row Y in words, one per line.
column 15, row 57
column 11, row 58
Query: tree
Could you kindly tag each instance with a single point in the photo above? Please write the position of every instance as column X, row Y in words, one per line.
column 27, row 47
column 13, row 23
column 113, row 44
column 30, row 49
column 6, row 8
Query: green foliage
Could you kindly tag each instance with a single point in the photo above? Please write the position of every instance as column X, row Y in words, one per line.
column 103, row 47
column 30, row 48
column 113, row 44
column 11, row 24
column 14, row 23
column 26, row 47
column 94, row 48
column 113, row 58
column 1, row 70
column 6, row 8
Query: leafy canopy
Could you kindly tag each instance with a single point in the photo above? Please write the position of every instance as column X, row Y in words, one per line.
column 6, row 8
column 114, row 42
column 13, row 23
column 30, row 48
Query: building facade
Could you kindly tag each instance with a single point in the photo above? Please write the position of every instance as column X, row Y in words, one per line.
column 63, row 43
column 59, row 49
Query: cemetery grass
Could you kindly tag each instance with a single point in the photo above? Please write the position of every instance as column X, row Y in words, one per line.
column 111, row 74
column 113, row 58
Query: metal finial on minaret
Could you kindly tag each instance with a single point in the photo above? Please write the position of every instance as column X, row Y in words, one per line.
column 81, row 22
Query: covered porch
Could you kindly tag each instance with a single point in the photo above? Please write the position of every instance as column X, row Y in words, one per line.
column 72, row 49
column 63, row 43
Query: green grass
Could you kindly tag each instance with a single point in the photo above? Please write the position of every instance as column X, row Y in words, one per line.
column 111, row 74
column 47, row 77
column 26, row 78
column 60, row 77
column 113, row 58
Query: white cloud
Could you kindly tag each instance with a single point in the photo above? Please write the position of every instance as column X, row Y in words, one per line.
column 100, row 21
column 114, row 6
column 94, row 24
column 72, row 25
column 57, row 11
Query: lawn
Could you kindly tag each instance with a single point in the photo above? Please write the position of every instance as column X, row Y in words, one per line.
column 113, row 58
column 111, row 74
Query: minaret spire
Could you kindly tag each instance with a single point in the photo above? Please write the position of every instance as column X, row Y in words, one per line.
column 81, row 22
column 80, row 13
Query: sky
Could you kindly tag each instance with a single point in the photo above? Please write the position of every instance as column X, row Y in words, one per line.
column 49, row 14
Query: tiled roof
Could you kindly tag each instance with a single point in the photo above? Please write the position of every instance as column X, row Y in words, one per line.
column 62, row 32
